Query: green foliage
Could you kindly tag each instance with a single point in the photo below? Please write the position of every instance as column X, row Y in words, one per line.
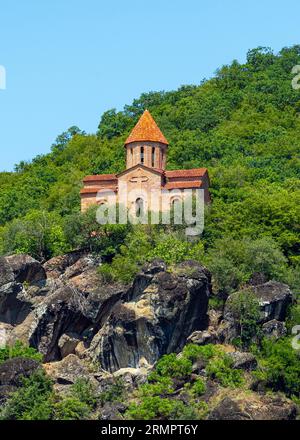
column 19, row 350
column 145, row 243
column 294, row 316
column 172, row 366
column 33, row 401
column 158, row 387
column 71, row 408
column 279, row 366
column 85, row 392
column 198, row 388
column 233, row 261
column 39, row 234
column 173, row 250
column 84, row 232
column 155, row 407
column 220, row 369
column 194, row 352
column 245, row 308
column 156, row 398
column 218, row 365
column 114, row 393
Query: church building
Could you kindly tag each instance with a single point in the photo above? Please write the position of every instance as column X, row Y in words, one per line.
column 146, row 159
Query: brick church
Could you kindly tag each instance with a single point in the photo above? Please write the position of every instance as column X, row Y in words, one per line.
column 146, row 159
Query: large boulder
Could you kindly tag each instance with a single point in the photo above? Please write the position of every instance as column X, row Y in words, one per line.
column 26, row 269
column 274, row 329
column 274, row 299
column 13, row 370
column 60, row 313
column 254, row 407
column 202, row 338
column 69, row 306
column 14, row 306
column 243, row 360
column 58, row 265
column 155, row 317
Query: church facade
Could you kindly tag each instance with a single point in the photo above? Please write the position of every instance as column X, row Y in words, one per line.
column 145, row 177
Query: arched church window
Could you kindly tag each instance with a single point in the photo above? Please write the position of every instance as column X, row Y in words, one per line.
column 139, row 207
column 142, row 155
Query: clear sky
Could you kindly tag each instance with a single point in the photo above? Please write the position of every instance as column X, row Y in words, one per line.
column 67, row 61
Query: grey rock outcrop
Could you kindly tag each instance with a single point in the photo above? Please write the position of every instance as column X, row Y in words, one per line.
column 243, row 360
column 255, row 407
column 274, row 299
column 63, row 308
column 274, row 329
column 155, row 317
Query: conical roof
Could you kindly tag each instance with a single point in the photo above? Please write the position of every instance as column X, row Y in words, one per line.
column 146, row 130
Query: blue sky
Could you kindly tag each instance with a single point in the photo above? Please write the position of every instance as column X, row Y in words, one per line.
column 67, row 61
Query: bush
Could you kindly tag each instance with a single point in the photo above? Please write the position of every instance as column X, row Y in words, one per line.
column 218, row 365
column 85, row 392
column 114, row 393
column 39, row 234
column 279, row 366
column 84, row 232
column 19, row 350
column 71, row 408
column 162, row 386
column 221, row 370
column 198, row 388
column 173, row 249
column 194, row 352
column 33, row 401
column 172, row 366
column 151, row 408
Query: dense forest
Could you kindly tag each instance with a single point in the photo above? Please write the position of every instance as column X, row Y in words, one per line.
column 243, row 125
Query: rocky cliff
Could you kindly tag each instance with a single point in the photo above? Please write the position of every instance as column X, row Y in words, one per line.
column 62, row 308
column 109, row 332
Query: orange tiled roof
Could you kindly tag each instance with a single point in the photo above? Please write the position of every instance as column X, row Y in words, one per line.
column 182, row 185
column 196, row 172
column 100, row 177
column 94, row 190
column 146, row 130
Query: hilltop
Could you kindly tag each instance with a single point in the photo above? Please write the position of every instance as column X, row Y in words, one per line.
column 212, row 317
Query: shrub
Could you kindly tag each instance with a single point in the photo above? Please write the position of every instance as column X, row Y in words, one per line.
column 293, row 316
column 161, row 387
column 198, row 388
column 84, row 391
column 279, row 366
column 19, row 350
column 220, row 369
column 173, row 249
column 83, row 231
column 33, row 401
column 114, row 393
column 151, row 408
column 39, row 234
column 172, row 366
column 194, row 352
column 71, row 408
